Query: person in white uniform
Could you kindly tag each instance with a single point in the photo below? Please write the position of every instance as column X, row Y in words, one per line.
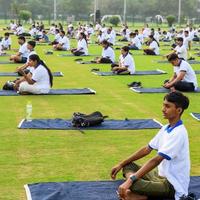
column 22, row 55
column 126, row 63
column 184, row 78
column 6, row 42
column 108, row 54
column 171, row 180
column 39, row 81
column 82, row 47
column 26, row 68
column 63, row 44
column 153, row 48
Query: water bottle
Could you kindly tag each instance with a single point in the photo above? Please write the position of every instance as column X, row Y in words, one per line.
column 29, row 112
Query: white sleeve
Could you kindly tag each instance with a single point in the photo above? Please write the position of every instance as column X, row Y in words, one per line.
column 171, row 147
column 37, row 75
column 128, row 62
column 154, row 143
column 184, row 67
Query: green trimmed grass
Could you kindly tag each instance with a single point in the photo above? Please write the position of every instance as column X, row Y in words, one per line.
column 28, row 156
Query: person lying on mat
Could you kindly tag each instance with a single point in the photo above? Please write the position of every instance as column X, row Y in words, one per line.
column 26, row 68
column 126, row 63
column 184, row 78
column 171, row 180
column 22, row 54
column 82, row 48
column 63, row 43
column 180, row 49
column 108, row 54
column 39, row 81
column 153, row 48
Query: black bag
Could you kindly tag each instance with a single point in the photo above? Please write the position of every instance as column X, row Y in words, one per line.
column 9, row 85
column 83, row 120
column 191, row 196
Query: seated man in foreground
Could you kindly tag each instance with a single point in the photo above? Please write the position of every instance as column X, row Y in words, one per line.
column 173, row 160
column 184, row 78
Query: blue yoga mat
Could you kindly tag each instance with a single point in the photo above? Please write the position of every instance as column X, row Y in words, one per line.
column 196, row 116
column 53, row 92
column 152, row 72
column 72, row 55
column 89, row 62
column 56, row 74
column 7, row 62
column 189, row 61
column 91, row 190
column 155, row 90
column 61, row 124
column 197, row 71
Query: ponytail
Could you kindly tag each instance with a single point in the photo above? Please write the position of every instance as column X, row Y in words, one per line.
column 35, row 57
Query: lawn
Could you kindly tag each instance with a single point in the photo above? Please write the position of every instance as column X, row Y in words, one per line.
column 29, row 156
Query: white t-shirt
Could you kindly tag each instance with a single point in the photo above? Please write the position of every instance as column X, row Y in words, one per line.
column 65, row 42
column 82, row 46
column 135, row 41
column 155, row 47
column 190, row 75
column 108, row 53
column 101, row 38
column 24, row 50
column 181, row 51
column 110, row 38
column 186, row 41
column 172, row 144
column 6, row 43
column 57, row 37
column 20, row 30
column 41, row 77
column 129, row 62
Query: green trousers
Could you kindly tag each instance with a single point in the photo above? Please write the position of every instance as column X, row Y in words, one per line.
column 151, row 184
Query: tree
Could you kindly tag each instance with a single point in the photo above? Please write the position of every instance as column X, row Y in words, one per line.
column 114, row 20
column 25, row 15
column 170, row 19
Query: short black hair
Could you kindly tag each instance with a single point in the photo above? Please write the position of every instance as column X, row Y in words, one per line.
column 132, row 34
column 126, row 48
column 63, row 32
column 22, row 38
column 7, row 34
column 105, row 42
column 179, row 39
column 32, row 43
column 172, row 56
column 180, row 100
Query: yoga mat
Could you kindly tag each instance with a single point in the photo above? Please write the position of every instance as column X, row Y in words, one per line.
column 8, row 62
column 189, row 61
column 152, row 72
column 86, row 190
column 52, row 92
column 62, row 124
column 155, row 90
column 72, row 55
column 56, row 74
column 195, row 116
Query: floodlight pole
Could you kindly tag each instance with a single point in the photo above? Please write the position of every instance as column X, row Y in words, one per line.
column 55, row 10
column 95, row 9
column 124, row 11
column 179, row 11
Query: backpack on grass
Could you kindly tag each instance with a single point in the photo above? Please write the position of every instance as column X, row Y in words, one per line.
column 83, row 120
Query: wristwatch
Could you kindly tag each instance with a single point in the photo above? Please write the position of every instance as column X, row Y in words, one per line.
column 133, row 178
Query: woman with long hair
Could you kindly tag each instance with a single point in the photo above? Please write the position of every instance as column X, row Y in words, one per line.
column 39, row 81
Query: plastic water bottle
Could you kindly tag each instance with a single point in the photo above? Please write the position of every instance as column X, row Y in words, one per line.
column 29, row 111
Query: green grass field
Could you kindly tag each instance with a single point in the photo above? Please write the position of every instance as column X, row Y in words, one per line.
column 29, row 156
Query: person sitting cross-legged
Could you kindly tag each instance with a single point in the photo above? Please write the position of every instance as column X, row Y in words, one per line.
column 39, row 81
column 184, row 78
column 171, row 179
column 126, row 63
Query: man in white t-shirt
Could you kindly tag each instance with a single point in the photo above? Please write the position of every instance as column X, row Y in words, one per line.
column 135, row 43
column 184, row 78
column 22, row 55
column 6, row 42
column 26, row 68
column 173, row 159
column 126, row 63
column 187, row 40
column 180, row 49
column 63, row 43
